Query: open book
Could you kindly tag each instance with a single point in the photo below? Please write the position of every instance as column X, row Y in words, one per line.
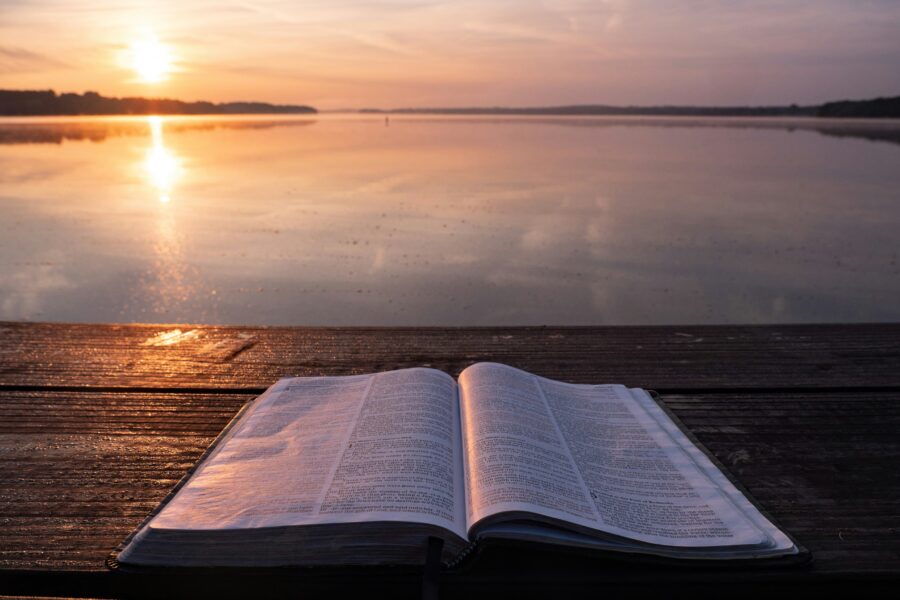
column 364, row 469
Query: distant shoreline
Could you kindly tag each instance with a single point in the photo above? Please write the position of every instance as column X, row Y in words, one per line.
column 608, row 111
column 24, row 103
column 36, row 103
column 874, row 108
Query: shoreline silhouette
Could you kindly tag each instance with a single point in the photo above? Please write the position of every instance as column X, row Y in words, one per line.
column 49, row 103
column 872, row 108
column 25, row 103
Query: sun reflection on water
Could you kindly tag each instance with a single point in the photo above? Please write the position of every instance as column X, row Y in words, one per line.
column 162, row 166
column 168, row 284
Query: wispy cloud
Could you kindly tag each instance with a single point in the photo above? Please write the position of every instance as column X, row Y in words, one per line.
column 20, row 60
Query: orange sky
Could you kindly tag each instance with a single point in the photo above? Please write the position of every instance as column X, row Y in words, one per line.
column 393, row 53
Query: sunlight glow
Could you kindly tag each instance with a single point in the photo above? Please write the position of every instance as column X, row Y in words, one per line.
column 150, row 59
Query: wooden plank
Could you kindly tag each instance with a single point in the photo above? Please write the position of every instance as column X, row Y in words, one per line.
column 97, row 423
column 86, row 467
column 81, row 470
column 666, row 358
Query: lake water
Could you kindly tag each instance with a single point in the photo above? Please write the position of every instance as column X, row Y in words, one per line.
column 353, row 220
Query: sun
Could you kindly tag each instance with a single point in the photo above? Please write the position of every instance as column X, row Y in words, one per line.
column 150, row 59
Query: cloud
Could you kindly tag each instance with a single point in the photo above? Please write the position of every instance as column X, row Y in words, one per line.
column 20, row 60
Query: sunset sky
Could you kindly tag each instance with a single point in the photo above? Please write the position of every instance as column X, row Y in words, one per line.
column 394, row 53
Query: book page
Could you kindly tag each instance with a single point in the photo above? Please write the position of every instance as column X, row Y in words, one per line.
column 780, row 541
column 382, row 447
column 589, row 455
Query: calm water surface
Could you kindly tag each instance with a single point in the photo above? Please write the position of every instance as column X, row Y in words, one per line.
column 449, row 221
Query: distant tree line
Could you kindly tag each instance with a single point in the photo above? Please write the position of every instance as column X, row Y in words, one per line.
column 883, row 108
column 880, row 107
column 606, row 110
column 48, row 102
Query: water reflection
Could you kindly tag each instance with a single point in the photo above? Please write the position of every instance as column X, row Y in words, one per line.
column 451, row 221
column 56, row 130
column 166, row 283
column 42, row 130
column 163, row 167
column 170, row 281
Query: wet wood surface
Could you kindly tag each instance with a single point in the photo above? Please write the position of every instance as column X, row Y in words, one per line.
column 97, row 423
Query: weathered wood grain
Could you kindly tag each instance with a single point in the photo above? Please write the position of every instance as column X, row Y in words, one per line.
column 97, row 425
column 697, row 357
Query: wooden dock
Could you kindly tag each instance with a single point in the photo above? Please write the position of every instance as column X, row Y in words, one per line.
column 98, row 422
